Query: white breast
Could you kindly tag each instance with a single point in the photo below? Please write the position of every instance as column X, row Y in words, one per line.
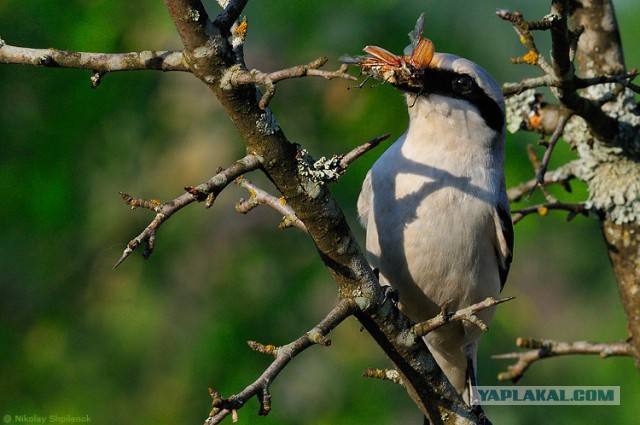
column 412, row 204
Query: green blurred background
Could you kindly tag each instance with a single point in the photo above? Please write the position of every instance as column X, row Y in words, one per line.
column 141, row 344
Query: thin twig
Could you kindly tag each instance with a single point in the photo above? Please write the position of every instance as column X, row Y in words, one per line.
column 213, row 186
column 391, row 375
column 240, row 77
column 223, row 407
column 328, row 170
column 542, row 169
column 510, row 89
column 624, row 79
column 466, row 314
column 523, row 29
column 533, row 158
column 561, row 176
column 356, row 153
column 560, row 73
column 543, row 209
column 259, row 196
column 545, row 348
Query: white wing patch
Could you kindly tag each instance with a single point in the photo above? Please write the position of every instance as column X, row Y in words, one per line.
column 364, row 201
column 504, row 240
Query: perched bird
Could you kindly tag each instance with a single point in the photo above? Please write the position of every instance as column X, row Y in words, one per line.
column 434, row 204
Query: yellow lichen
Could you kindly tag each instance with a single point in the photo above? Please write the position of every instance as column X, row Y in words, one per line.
column 241, row 30
column 531, row 58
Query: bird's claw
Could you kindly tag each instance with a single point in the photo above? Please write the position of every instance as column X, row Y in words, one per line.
column 391, row 294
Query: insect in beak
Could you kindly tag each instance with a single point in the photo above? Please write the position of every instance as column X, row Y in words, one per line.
column 383, row 65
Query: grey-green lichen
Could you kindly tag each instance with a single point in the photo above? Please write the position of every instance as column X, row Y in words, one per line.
column 611, row 171
column 321, row 171
column 207, row 50
column 517, row 108
column 267, row 123
column 225, row 81
column 194, row 15
column 213, row 47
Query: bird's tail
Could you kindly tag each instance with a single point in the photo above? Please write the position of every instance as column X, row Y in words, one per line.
column 459, row 365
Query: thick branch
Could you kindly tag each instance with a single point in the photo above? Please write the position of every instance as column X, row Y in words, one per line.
column 601, row 124
column 230, row 14
column 193, row 24
column 213, row 62
column 600, row 53
column 624, row 250
column 545, row 348
column 100, row 62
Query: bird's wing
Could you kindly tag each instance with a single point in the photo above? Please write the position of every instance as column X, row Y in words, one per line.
column 364, row 200
column 504, row 240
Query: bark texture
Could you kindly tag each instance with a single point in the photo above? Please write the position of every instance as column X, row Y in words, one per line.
column 612, row 170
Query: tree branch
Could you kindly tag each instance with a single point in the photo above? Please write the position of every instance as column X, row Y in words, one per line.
column 390, row 375
column 259, row 196
column 543, row 209
column 230, row 15
column 622, row 79
column 464, row 314
column 560, row 176
column 542, row 169
column 199, row 193
column 213, row 62
column 241, row 77
column 357, row 152
column 546, row 348
column 193, row 24
column 222, row 407
column 560, row 74
column 170, row 60
column 601, row 124
column 509, row 89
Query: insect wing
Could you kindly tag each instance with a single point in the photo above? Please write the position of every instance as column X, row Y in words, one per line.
column 384, row 55
column 352, row 60
column 416, row 35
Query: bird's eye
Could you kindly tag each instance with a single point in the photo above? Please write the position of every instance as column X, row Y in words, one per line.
column 462, row 84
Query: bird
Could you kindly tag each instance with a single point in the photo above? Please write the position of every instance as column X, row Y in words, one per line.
column 434, row 205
